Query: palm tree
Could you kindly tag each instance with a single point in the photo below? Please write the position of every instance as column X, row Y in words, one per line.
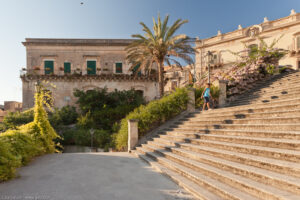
column 159, row 47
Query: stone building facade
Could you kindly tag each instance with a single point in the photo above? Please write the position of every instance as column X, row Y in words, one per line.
column 83, row 64
column 177, row 77
column 9, row 106
column 222, row 45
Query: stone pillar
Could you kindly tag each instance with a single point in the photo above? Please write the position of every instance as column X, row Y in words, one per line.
column 132, row 134
column 191, row 102
column 223, row 93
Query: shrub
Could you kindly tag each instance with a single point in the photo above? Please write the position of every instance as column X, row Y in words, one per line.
column 101, row 138
column 65, row 116
column 101, row 109
column 214, row 91
column 12, row 120
column 152, row 115
column 23, row 145
column 3, row 127
column 8, row 161
column 18, row 147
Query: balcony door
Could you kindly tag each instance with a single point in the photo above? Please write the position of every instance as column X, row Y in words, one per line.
column 91, row 67
column 49, row 66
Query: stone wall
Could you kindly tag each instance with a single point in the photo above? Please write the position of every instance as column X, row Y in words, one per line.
column 223, row 45
column 106, row 53
column 64, row 88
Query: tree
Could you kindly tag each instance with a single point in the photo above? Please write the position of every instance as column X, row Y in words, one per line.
column 160, row 46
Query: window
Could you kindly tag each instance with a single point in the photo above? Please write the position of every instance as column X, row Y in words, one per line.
column 91, row 67
column 252, row 49
column 137, row 68
column 119, row 68
column 67, row 68
column 49, row 66
column 298, row 42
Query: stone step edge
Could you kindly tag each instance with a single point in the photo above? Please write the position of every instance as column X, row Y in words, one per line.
column 190, row 172
column 191, row 162
column 178, row 179
column 286, row 156
column 207, row 115
column 291, row 135
column 245, row 119
column 256, row 139
column 260, row 104
column 270, row 164
column 208, row 182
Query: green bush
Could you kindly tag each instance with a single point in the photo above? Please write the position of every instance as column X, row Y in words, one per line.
column 14, row 119
column 23, row 145
column 3, row 127
column 214, row 91
column 101, row 138
column 101, row 109
column 152, row 115
column 65, row 116
column 8, row 161
column 18, row 147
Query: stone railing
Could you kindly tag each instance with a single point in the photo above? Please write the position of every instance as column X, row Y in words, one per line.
column 60, row 75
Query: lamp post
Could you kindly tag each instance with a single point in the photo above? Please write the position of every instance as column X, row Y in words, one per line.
column 92, row 131
column 209, row 57
column 37, row 86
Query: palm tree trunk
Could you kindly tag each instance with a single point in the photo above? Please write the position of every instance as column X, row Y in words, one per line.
column 161, row 78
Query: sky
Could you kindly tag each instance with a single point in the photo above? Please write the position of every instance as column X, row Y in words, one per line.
column 20, row 19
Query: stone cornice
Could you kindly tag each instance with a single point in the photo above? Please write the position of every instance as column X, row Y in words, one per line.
column 76, row 42
column 74, row 77
column 242, row 33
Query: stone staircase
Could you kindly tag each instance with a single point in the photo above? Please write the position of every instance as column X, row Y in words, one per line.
column 248, row 150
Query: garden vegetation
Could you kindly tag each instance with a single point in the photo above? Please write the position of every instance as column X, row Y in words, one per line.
column 152, row 115
column 20, row 145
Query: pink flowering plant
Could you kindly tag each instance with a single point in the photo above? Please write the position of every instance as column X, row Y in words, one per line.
column 260, row 62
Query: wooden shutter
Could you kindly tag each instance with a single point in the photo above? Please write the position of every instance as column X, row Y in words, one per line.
column 91, row 67
column 119, row 67
column 49, row 66
column 67, row 68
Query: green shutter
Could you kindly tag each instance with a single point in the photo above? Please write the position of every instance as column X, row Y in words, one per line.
column 136, row 68
column 119, row 68
column 49, row 67
column 91, row 67
column 67, row 68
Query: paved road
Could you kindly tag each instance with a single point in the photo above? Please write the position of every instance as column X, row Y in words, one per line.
column 90, row 176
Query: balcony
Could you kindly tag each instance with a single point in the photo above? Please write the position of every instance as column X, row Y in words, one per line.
column 35, row 74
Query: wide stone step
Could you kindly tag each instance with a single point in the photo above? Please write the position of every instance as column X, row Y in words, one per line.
column 275, row 85
column 282, row 154
column 259, row 105
column 265, row 120
column 275, row 89
column 264, row 99
column 244, row 115
column 276, row 127
column 243, row 184
column 295, row 135
column 265, row 142
column 198, row 191
column 221, row 189
column 254, row 98
column 289, row 168
column 188, row 159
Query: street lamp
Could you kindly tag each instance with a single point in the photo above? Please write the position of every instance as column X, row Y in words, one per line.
column 92, row 131
column 37, row 86
column 209, row 58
